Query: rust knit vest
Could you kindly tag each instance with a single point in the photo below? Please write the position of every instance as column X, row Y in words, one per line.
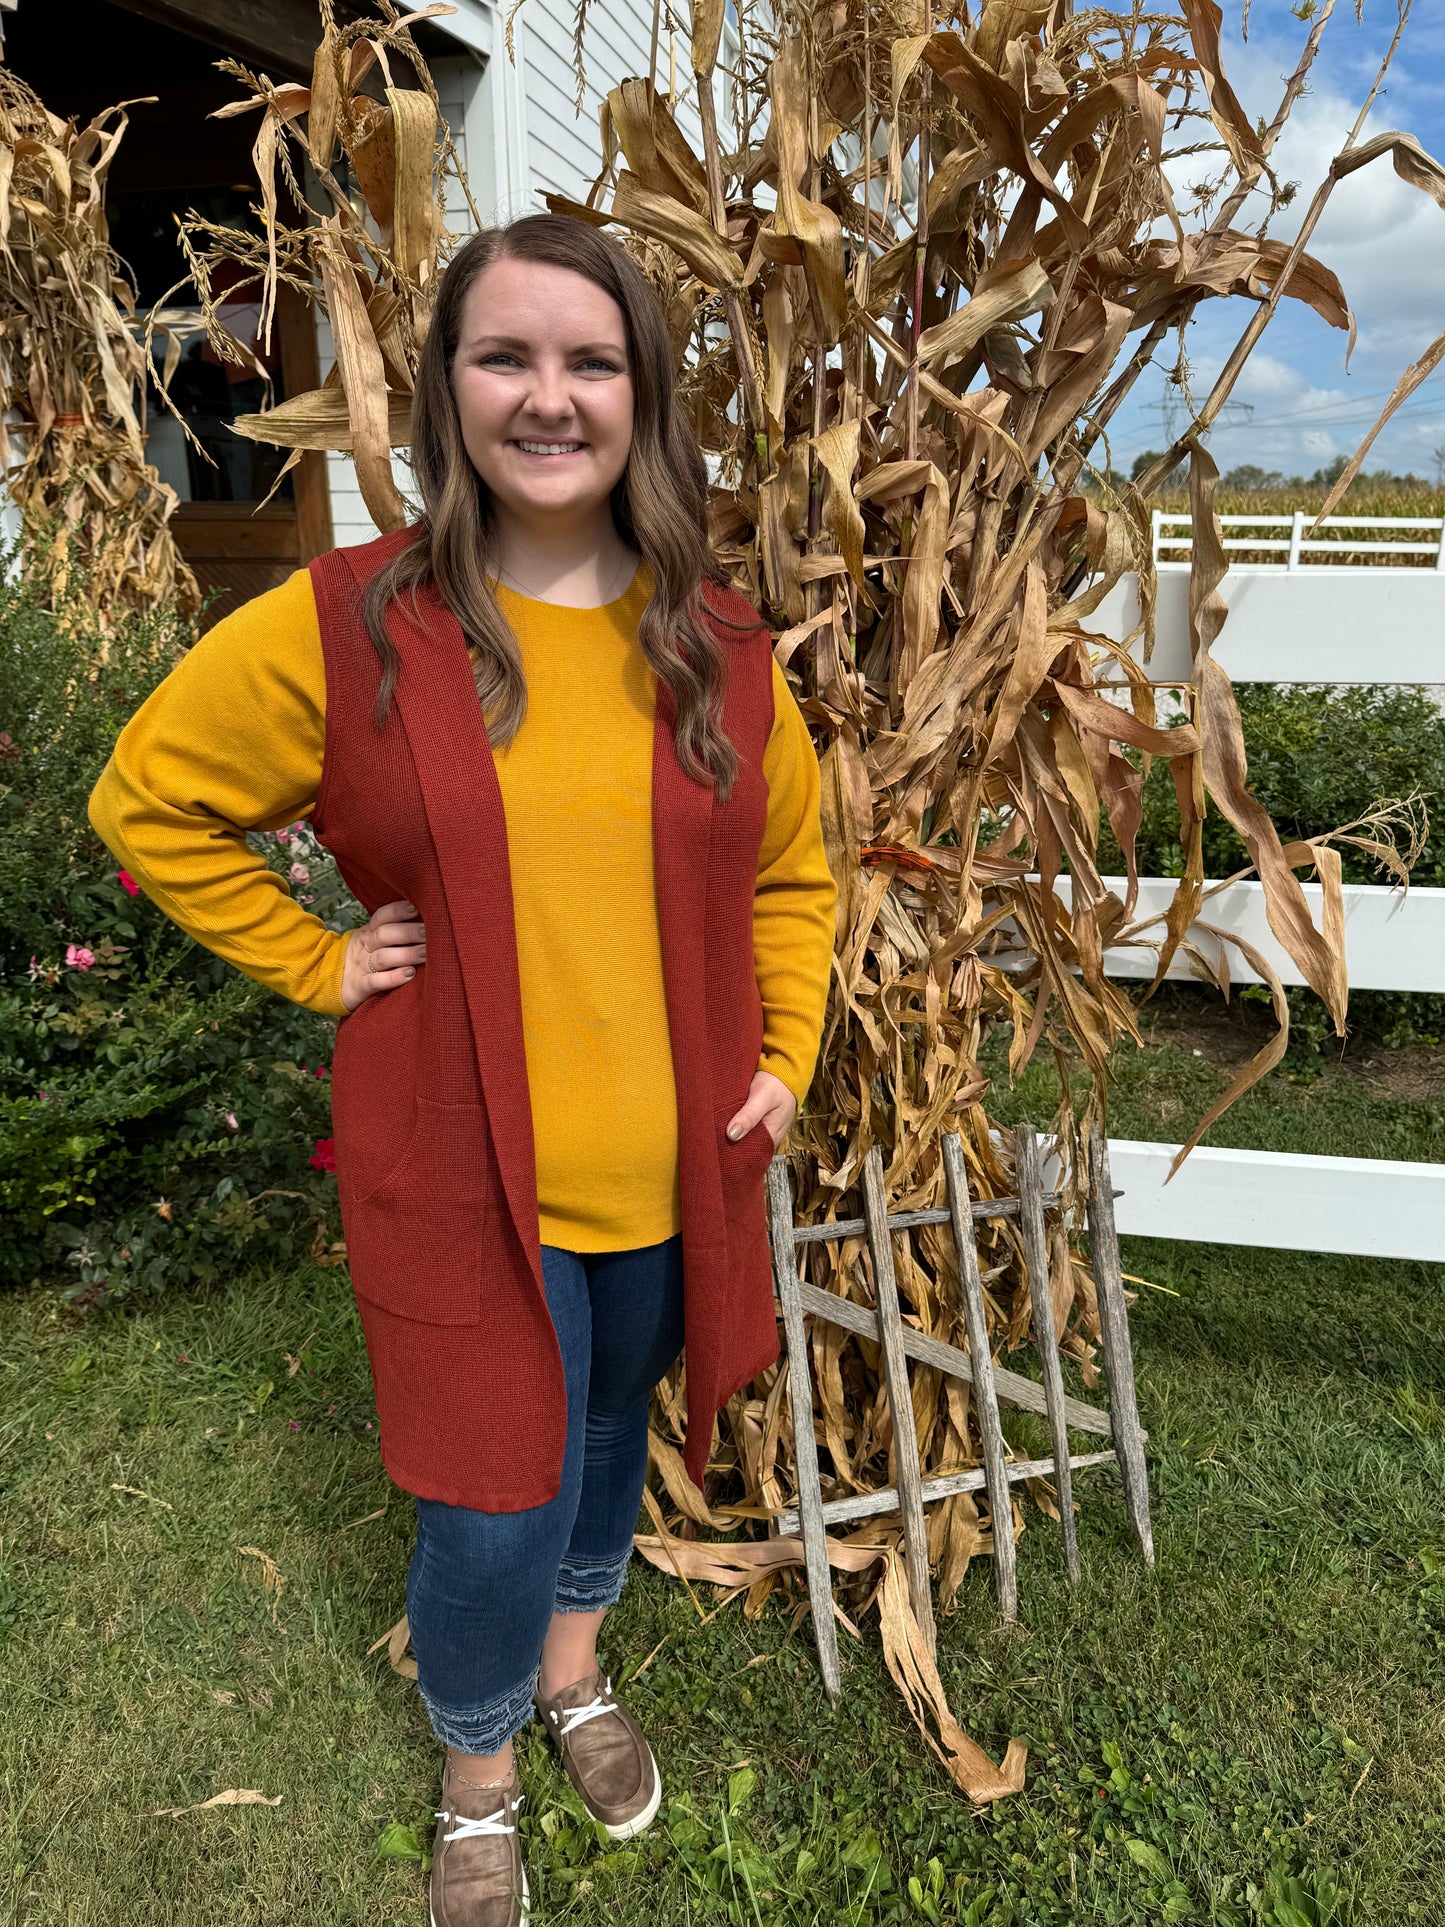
column 432, row 1114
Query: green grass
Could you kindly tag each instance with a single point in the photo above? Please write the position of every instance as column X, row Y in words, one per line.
column 1255, row 1732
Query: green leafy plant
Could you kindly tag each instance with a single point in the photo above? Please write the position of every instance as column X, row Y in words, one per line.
column 161, row 1117
column 1320, row 758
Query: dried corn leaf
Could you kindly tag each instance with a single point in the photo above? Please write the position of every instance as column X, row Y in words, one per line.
column 683, row 229
column 1404, row 387
column 363, row 378
column 915, row 1674
column 816, row 228
column 414, row 208
column 1410, row 160
column 321, row 418
column 239, row 1796
column 707, row 26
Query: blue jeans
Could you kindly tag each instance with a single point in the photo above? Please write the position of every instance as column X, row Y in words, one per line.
column 483, row 1586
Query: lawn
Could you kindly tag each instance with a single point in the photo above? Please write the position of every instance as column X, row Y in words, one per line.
column 1255, row 1732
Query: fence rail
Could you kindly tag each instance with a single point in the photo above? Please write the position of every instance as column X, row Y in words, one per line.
column 1281, row 1200
column 1394, row 939
column 1310, row 625
column 1303, row 620
column 1299, row 553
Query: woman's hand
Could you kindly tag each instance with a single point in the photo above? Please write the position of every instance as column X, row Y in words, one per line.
column 384, row 953
column 770, row 1102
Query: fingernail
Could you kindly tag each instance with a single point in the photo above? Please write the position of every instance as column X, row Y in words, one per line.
column 411, row 973
column 735, row 1131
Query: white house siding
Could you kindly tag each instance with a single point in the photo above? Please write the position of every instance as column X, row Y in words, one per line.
column 564, row 144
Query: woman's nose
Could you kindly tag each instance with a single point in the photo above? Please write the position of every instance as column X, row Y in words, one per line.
column 550, row 396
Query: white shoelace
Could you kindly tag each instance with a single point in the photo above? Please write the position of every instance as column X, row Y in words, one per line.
column 575, row 1716
column 492, row 1826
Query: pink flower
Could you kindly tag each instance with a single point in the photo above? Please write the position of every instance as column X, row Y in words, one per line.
column 294, row 1426
column 128, row 883
column 321, row 1070
column 283, row 836
column 299, row 873
column 78, row 956
column 231, row 1121
column 324, row 1156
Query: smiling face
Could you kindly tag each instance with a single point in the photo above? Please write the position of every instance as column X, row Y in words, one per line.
column 543, row 389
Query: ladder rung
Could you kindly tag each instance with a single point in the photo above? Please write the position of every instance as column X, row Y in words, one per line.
column 867, row 1505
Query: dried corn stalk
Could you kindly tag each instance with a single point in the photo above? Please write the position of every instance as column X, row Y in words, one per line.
column 368, row 253
column 71, row 438
column 907, row 306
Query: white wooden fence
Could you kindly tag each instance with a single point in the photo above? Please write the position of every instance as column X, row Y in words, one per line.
column 1298, row 620
column 1297, row 548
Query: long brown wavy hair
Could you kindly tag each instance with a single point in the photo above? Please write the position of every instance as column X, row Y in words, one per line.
column 659, row 506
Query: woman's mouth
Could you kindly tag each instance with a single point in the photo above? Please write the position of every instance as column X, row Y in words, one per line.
column 548, row 448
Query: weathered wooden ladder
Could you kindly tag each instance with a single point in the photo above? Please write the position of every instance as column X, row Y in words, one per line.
column 899, row 1342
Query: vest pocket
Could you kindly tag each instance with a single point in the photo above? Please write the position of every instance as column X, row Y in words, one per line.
column 744, row 1163
column 416, row 1240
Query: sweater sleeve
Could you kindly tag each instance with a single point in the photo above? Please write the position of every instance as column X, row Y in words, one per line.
column 231, row 741
column 793, row 910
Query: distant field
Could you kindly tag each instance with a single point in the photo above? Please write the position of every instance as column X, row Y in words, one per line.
column 1384, row 497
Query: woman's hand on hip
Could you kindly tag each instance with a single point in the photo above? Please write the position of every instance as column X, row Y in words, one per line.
column 383, row 953
column 770, row 1102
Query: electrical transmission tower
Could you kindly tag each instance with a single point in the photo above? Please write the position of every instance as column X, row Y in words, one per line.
column 1171, row 410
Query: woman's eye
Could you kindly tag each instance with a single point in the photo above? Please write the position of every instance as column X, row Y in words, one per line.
column 600, row 365
column 496, row 360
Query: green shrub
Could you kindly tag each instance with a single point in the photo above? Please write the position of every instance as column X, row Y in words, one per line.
column 1319, row 758
column 158, row 1112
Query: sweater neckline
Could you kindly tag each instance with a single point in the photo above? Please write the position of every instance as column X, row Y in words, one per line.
column 640, row 576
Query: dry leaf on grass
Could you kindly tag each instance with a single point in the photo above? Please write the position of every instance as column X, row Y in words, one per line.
column 272, row 1577
column 135, row 1492
column 916, row 1676
column 366, row 1519
column 239, row 1796
column 395, row 1639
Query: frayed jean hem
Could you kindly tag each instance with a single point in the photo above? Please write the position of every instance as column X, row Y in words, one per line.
column 482, row 1729
column 590, row 1585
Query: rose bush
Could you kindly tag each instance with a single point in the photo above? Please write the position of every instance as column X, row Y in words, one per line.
column 160, row 1115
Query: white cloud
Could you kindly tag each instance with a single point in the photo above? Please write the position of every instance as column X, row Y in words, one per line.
column 1384, row 239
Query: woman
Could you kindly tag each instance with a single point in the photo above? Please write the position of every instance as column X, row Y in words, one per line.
column 555, row 759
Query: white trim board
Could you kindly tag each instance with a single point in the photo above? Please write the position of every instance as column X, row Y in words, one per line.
column 1326, row 625
column 1281, row 1201
column 1393, row 940
column 471, row 24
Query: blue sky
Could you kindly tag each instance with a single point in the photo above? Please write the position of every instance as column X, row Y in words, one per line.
column 1386, row 241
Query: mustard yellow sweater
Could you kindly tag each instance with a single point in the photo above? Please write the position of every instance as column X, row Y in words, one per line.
column 233, row 741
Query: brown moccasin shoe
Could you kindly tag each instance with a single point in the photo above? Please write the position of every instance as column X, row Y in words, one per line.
column 477, row 1878
column 606, row 1757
